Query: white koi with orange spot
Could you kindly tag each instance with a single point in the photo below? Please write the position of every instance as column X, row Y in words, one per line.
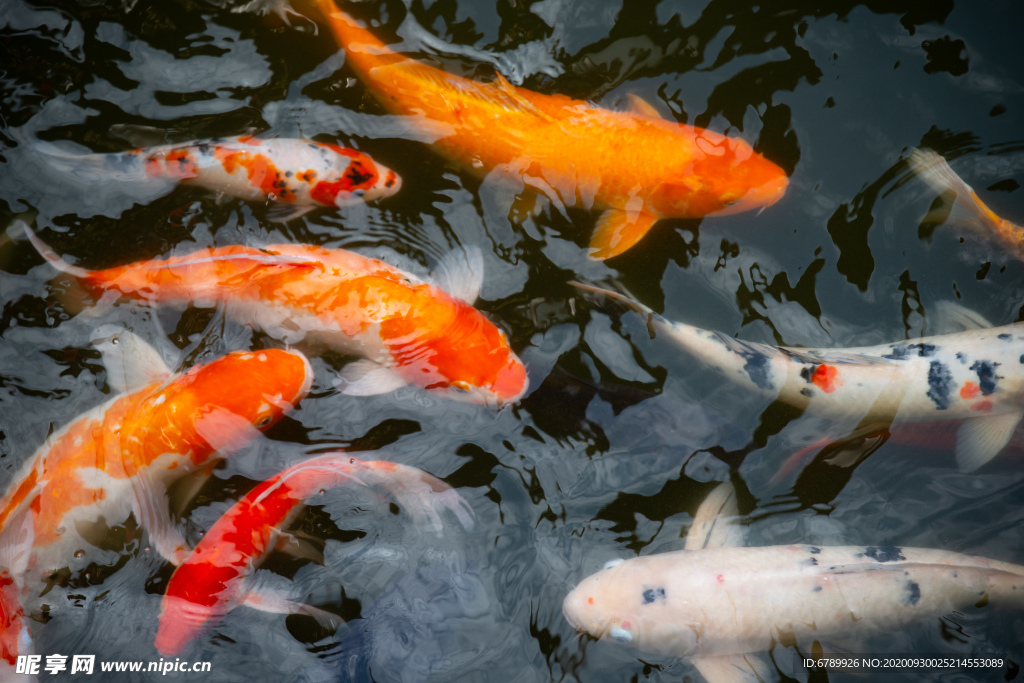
column 976, row 376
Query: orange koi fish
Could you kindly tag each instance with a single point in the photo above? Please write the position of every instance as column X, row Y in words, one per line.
column 967, row 210
column 214, row 578
column 300, row 175
column 120, row 457
column 408, row 331
column 634, row 166
column 14, row 636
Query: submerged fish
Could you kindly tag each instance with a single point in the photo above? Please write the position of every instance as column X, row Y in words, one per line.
column 409, row 331
column 634, row 166
column 215, row 577
column 976, row 376
column 119, row 458
column 967, row 209
column 716, row 600
column 300, row 175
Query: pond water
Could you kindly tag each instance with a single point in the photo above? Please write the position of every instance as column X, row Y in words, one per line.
column 621, row 436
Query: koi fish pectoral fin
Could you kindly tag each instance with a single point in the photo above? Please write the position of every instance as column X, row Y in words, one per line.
column 16, row 545
column 712, row 526
column 280, row 212
column 131, row 363
column 746, row 668
column 368, row 378
column 461, row 273
column 152, row 510
column 303, row 548
column 269, row 600
column 979, row 439
column 617, row 230
column 639, row 105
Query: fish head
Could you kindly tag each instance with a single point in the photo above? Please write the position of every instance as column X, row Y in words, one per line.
column 629, row 602
column 467, row 359
column 224, row 404
column 729, row 178
column 359, row 179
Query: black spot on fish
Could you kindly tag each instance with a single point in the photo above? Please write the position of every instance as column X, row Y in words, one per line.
column 807, row 372
column 757, row 369
column 884, row 553
column 811, row 561
column 814, row 550
column 1022, row 359
column 204, row 148
column 288, row 174
column 901, row 351
column 940, row 382
column 963, row 359
column 356, row 175
column 1005, row 336
column 913, row 593
column 651, row 594
column 954, row 575
column 987, row 377
column 806, row 392
column 817, row 589
column 983, row 601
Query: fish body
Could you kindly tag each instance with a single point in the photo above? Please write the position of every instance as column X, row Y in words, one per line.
column 634, row 166
column 408, row 331
column 120, row 457
column 299, row 174
column 14, row 635
column 975, row 375
column 968, row 209
column 729, row 601
column 213, row 579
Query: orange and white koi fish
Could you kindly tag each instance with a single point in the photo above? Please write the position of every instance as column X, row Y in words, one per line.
column 967, row 209
column 214, row 579
column 718, row 604
column 299, row 175
column 976, row 376
column 634, row 166
column 119, row 458
column 409, row 331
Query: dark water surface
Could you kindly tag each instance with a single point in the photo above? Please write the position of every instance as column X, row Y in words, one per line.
column 621, row 436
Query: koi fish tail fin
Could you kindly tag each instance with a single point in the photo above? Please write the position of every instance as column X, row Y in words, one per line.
column 90, row 169
column 966, row 208
column 423, row 495
column 47, row 252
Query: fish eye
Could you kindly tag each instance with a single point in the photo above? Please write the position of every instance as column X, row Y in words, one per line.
column 264, row 421
column 621, row 635
column 115, row 340
column 613, row 563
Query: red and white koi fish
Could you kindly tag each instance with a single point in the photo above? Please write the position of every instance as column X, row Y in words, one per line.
column 300, row 175
column 976, row 376
column 409, row 331
column 120, row 457
column 634, row 166
column 967, row 210
column 214, row 579
column 717, row 603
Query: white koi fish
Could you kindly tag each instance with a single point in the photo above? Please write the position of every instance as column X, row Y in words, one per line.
column 719, row 604
column 976, row 376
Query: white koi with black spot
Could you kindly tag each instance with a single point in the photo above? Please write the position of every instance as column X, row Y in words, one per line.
column 976, row 376
column 730, row 601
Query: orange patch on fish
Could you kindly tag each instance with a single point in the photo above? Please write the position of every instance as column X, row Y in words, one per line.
column 970, row 390
column 826, row 378
column 982, row 407
column 180, row 164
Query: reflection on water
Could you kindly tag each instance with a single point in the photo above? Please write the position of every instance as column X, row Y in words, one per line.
column 621, row 436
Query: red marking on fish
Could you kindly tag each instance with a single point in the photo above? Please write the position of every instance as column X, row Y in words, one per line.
column 826, row 378
column 970, row 390
column 982, row 407
column 12, row 620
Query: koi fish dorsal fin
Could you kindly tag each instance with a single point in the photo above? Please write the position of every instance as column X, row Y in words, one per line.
column 639, row 105
column 713, row 526
column 979, row 439
column 617, row 230
column 368, row 378
column 461, row 273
